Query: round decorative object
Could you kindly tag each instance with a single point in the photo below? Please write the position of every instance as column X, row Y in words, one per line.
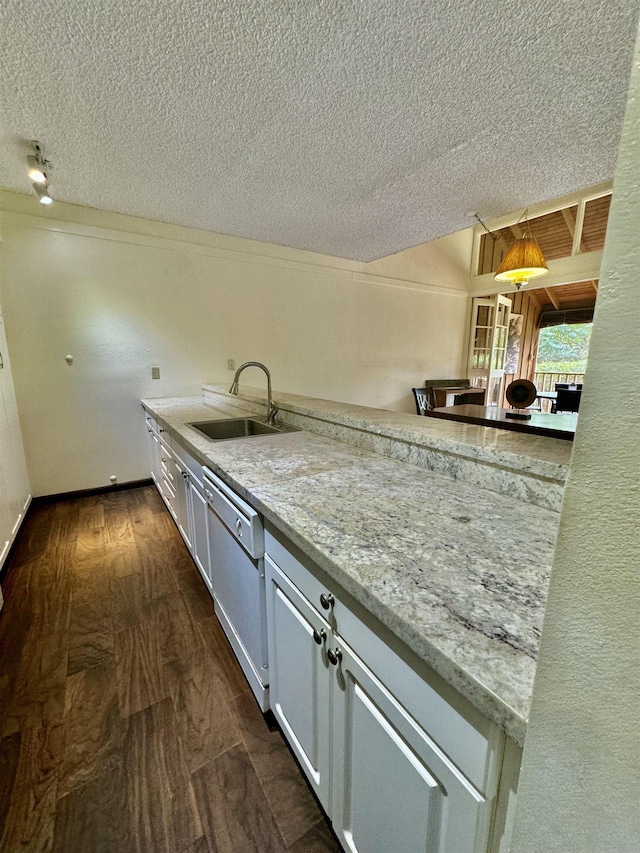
column 521, row 393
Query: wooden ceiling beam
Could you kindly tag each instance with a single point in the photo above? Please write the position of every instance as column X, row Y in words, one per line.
column 571, row 225
column 533, row 296
column 553, row 299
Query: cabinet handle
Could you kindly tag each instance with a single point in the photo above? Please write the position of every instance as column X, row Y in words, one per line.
column 327, row 601
column 334, row 657
column 319, row 636
column 239, row 528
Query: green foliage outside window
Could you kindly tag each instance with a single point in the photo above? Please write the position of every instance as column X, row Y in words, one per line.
column 564, row 349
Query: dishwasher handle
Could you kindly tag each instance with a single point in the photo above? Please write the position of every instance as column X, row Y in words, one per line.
column 241, row 519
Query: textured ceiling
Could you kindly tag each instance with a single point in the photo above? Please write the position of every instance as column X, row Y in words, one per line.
column 351, row 127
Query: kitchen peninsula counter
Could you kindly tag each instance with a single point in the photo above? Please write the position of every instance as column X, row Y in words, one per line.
column 459, row 573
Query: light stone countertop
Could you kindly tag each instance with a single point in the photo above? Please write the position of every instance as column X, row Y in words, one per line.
column 508, row 448
column 457, row 572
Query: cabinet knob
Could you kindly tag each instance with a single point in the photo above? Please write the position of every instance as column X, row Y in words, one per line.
column 334, row 657
column 327, row 601
column 319, row 636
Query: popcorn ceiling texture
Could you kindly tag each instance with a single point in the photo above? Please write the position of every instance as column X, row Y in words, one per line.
column 356, row 129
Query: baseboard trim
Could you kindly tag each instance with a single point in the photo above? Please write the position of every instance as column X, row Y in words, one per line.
column 87, row 493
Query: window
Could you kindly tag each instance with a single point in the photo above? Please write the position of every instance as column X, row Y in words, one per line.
column 562, row 354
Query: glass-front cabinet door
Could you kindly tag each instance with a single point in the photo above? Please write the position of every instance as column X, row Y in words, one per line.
column 488, row 345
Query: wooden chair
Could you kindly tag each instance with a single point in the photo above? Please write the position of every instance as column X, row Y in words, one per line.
column 423, row 403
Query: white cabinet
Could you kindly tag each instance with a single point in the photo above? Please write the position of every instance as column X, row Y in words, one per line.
column 153, row 444
column 181, row 481
column 395, row 765
column 300, row 678
column 168, row 477
column 393, row 788
column 178, row 477
column 198, row 509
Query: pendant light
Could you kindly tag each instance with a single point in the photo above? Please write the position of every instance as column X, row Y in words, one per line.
column 524, row 260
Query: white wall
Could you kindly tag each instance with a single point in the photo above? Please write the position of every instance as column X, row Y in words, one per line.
column 121, row 294
column 581, row 767
column 14, row 482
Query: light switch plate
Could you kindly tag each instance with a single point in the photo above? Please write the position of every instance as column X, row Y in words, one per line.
column 155, row 373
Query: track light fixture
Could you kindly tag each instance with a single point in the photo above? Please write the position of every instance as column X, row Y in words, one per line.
column 38, row 168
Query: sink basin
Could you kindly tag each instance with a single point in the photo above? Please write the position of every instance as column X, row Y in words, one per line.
column 222, row 430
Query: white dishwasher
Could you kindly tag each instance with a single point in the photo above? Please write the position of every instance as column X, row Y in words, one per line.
column 236, row 541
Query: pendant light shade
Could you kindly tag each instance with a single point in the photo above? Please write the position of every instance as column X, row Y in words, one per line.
column 523, row 261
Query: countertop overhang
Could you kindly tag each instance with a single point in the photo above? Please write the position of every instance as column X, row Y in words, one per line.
column 457, row 572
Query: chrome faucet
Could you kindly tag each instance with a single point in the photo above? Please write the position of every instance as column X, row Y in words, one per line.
column 272, row 408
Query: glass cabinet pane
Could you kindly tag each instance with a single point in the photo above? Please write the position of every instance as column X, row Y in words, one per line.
column 484, row 316
column 483, row 338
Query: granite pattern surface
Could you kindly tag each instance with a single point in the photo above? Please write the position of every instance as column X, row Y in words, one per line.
column 524, row 467
column 524, row 452
column 457, row 572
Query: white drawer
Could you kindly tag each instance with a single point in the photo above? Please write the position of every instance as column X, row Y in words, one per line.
column 187, row 460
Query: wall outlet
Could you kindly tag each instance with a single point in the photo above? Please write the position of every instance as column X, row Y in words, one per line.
column 231, row 364
column 155, row 373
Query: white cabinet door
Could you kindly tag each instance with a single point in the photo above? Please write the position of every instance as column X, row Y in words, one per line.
column 200, row 550
column 168, row 472
column 300, row 677
column 393, row 789
column 154, row 455
column 181, row 484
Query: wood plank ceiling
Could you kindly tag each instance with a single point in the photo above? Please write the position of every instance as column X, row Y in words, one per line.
column 555, row 234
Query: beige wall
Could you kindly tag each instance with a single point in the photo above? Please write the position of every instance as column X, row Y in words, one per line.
column 121, row 294
column 581, row 768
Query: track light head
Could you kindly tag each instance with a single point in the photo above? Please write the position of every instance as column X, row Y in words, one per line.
column 43, row 193
column 38, row 168
column 37, row 174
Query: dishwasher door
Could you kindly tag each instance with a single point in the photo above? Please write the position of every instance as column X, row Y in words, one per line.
column 238, row 581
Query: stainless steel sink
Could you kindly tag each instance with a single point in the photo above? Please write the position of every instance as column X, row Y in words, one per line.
column 222, row 430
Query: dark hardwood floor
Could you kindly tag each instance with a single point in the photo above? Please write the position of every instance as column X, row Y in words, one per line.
column 126, row 723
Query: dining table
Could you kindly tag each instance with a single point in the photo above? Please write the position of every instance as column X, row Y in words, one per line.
column 538, row 423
